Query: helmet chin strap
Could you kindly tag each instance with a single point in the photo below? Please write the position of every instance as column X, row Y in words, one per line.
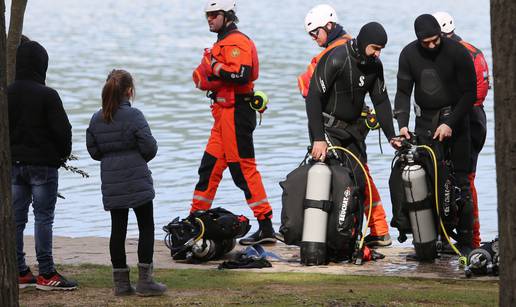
column 225, row 23
column 328, row 32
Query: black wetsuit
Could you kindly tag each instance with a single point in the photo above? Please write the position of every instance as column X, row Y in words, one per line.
column 445, row 90
column 338, row 88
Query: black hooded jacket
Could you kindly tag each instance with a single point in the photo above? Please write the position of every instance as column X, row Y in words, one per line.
column 39, row 130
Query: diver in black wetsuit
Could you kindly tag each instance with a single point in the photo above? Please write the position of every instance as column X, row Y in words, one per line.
column 338, row 86
column 334, row 104
column 445, row 90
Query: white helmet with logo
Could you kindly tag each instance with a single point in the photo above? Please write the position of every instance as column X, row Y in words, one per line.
column 220, row 5
column 319, row 16
column 445, row 21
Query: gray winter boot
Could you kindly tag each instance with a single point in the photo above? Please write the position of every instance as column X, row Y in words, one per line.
column 122, row 283
column 146, row 285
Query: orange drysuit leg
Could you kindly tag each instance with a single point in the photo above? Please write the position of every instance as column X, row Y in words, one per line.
column 237, row 126
column 476, row 222
column 378, row 222
column 212, row 166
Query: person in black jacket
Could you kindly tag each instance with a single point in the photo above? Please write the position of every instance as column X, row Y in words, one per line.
column 335, row 100
column 120, row 137
column 445, row 90
column 41, row 140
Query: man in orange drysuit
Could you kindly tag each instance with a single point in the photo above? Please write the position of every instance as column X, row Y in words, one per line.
column 227, row 72
column 321, row 24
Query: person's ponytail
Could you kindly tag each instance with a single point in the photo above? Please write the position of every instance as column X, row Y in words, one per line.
column 115, row 91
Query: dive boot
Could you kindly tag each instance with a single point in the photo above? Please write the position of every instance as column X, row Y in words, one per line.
column 122, row 282
column 146, row 285
column 264, row 235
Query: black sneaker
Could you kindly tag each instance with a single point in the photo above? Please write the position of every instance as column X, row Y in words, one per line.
column 54, row 281
column 258, row 238
column 264, row 235
column 372, row 241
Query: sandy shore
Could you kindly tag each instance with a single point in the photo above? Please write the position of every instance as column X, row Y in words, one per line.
column 95, row 250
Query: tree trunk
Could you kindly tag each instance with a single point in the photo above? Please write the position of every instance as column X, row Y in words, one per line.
column 8, row 271
column 503, row 40
column 13, row 39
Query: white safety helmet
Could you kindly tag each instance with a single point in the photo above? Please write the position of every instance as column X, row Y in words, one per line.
column 220, row 5
column 445, row 21
column 319, row 16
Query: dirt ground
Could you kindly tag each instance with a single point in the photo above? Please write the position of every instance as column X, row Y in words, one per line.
column 95, row 250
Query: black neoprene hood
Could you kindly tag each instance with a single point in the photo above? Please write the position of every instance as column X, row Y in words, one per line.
column 426, row 26
column 371, row 33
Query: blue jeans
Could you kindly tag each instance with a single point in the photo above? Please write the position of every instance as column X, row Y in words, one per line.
column 36, row 185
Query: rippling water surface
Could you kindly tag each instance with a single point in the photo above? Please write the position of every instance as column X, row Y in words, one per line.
column 160, row 42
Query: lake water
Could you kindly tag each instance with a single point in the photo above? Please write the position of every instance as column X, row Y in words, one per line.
column 160, row 42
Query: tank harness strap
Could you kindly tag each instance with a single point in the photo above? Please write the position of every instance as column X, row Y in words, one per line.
column 418, row 205
column 324, row 205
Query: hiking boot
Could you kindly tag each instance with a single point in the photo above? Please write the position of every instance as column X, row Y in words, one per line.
column 264, row 235
column 54, row 281
column 122, row 282
column 26, row 279
column 382, row 241
column 146, row 285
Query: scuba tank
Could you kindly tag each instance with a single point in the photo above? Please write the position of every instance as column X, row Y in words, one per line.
column 419, row 205
column 483, row 260
column 316, row 208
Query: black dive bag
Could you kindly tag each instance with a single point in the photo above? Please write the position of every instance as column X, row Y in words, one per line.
column 345, row 215
column 205, row 235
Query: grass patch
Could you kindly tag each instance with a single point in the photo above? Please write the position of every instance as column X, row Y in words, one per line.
column 194, row 287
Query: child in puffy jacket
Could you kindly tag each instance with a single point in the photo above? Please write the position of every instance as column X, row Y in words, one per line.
column 120, row 137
